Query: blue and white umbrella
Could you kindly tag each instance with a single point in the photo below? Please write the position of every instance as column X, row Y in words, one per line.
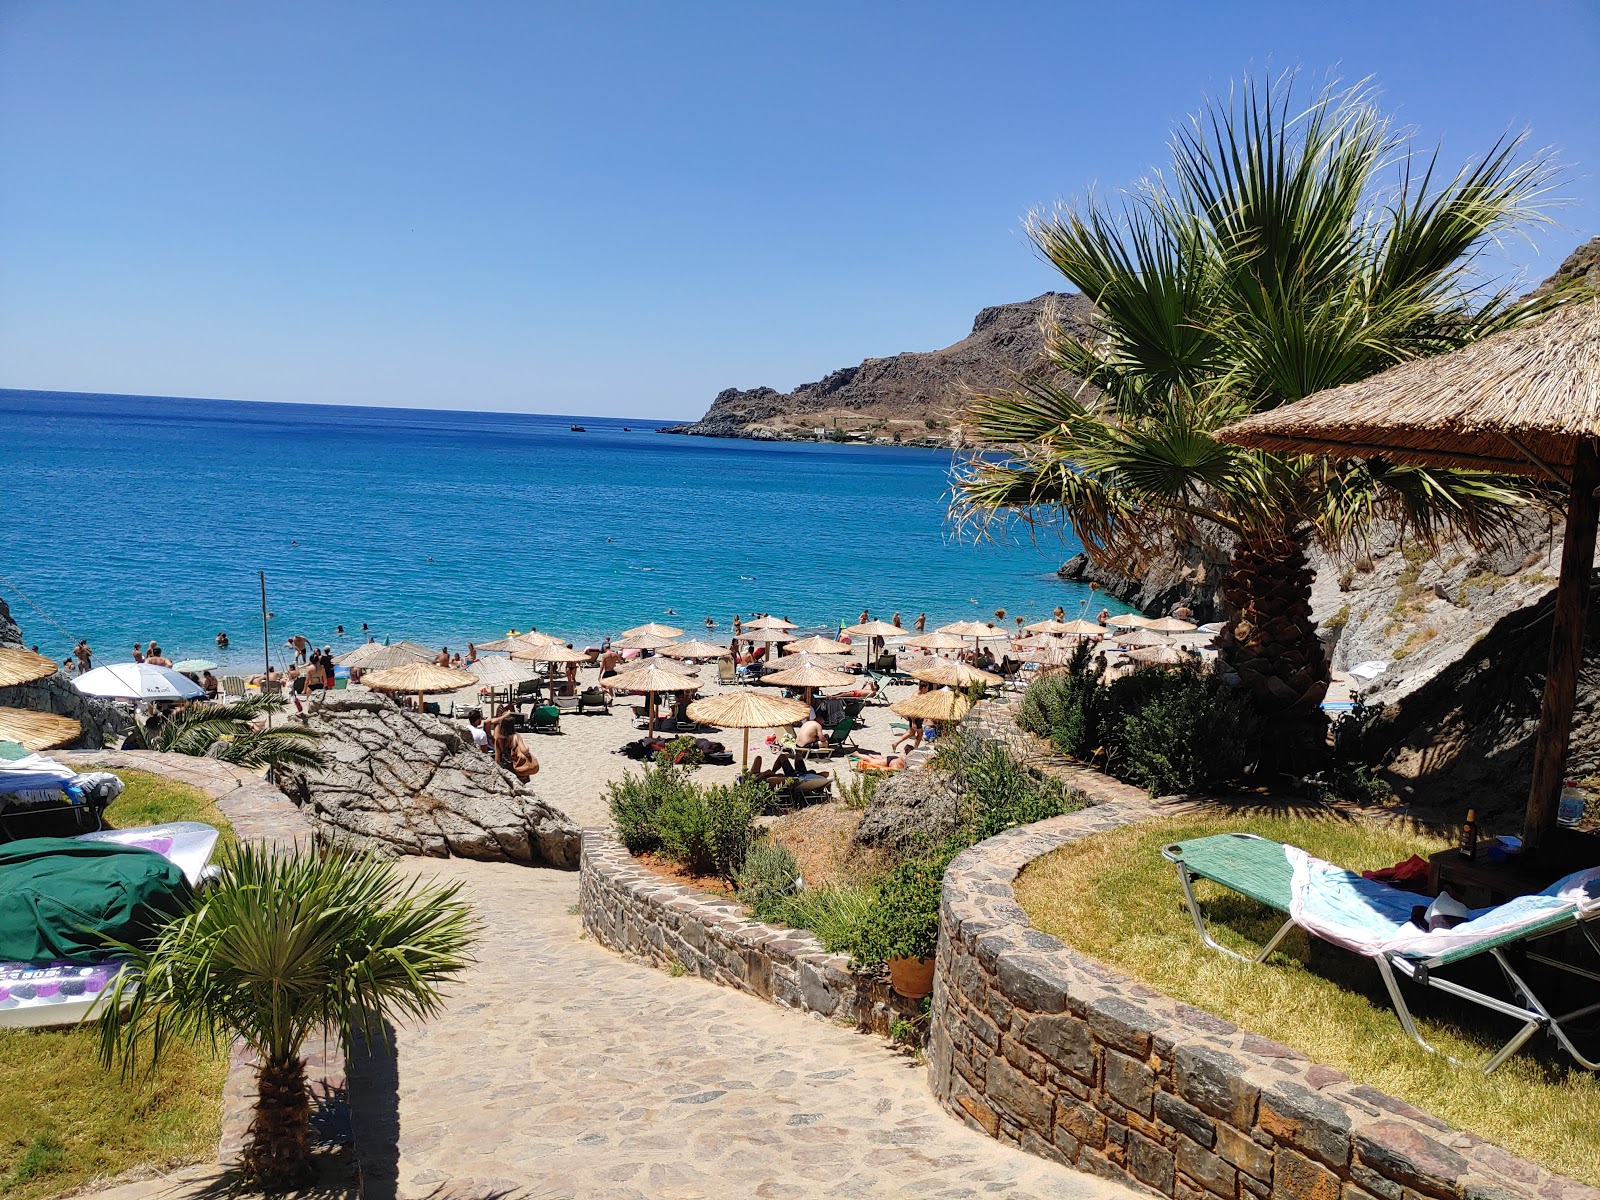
column 137, row 681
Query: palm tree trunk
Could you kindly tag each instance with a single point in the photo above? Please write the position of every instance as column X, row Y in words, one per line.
column 279, row 1151
column 1271, row 641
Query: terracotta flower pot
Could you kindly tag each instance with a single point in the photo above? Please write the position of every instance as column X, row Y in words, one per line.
column 911, row 977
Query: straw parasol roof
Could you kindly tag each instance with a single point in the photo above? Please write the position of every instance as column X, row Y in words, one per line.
column 558, row 652
column 1518, row 401
column 950, row 673
column 808, row 675
column 650, row 678
column 974, row 629
column 769, row 623
column 816, row 645
column 38, row 730
column 940, row 705
column 375, row 656
column 1080, row 627
column 1128, row 620
column 872, row 629
column 1140, row 638
column 23, row 666
column 1170, row 625
column 652, row 629
column 421, row 678
column 769, row 636
column 829, row 662
column 532, row 638
column 502, row 672
column 643, row 641
column 937, row 641
column 1158, row 656
column 695, row 650
column 747, row 709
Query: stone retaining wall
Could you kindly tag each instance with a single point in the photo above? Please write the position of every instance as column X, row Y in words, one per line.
column 1046, row 1049
column 631, row 909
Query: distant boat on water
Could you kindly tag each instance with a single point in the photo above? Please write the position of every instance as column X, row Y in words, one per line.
column 579, row 429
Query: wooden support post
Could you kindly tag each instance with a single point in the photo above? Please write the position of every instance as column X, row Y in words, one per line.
column 1566, row 647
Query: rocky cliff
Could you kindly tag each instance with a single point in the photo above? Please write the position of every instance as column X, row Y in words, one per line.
column 912, row 398
column 101, row 720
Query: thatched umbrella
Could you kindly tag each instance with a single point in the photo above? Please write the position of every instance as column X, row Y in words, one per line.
column 1170, row 625
column 651, row 629
column 1140, row 639
column 1159, row 656
column 936, row 641
column 770, row 637
column 769, row 623
column 375, row 656
column 501, row 672
column 976, row 630
column 1527, row 401
column 642, row 641
column 1079, row 627
column 18, row 666
column 940, row 706
column 747, row 709
column 695, row 651
column 512, row 641
column 816, row 645
column 421, row 678
column 809, row 676
column 870, row 630
column 830, row 662
column 947, row 672
column 557, row 653
column 650, row 680
column 1128, row 621
column 38, row 730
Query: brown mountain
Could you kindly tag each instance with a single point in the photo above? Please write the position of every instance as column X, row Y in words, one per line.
column 915, row 397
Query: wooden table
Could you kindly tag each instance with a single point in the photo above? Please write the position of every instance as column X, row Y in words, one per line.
column 1479, row 882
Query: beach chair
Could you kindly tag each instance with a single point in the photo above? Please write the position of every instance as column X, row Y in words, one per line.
column 546, row 719
column 838, row 738
column 233, row 688
column 567, row 704
column 726, row 671
column 1373, row 919
column 594, row 700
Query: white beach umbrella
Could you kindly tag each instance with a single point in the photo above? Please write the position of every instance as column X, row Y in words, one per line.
column 137, row 681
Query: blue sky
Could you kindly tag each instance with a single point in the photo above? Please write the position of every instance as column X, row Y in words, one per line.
column 621, row 208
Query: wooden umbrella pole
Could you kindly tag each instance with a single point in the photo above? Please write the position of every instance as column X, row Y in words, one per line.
column 744, row 759
column 1566, row 647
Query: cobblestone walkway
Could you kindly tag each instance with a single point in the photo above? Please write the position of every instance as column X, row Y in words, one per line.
column 563, row 1070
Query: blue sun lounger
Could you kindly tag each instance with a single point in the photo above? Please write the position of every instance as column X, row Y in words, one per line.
column 1373, row 919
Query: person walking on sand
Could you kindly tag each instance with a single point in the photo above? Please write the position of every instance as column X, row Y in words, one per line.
column 84, row 655
column 302, row 648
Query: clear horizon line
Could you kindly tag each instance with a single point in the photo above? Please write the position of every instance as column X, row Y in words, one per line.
column 505, row 412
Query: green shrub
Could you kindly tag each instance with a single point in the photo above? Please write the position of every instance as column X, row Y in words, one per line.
column 902, row 918
column 837, row 915
column 636, row 802
column 1069, row 707
column 680, row 752
column 1002, row 793
column 860, row 789
column 708, row 830
column 767, row 878
column 1183, row 732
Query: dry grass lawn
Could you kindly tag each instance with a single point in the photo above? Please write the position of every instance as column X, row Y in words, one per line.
column 66, row 1122
column 1114, row 897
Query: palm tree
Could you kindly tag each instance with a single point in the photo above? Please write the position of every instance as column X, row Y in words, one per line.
column 228, row 732
column 1274, row 262
column 283, row 946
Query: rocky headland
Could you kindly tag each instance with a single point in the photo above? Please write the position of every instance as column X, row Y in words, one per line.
column 102, row 721
column 914, row 398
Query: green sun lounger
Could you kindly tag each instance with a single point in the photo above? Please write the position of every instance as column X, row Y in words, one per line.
column 1261, row 869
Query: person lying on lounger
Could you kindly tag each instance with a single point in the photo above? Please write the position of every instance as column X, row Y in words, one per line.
column 880, row 762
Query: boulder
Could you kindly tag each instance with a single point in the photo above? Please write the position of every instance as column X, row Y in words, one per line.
column 102, row 721
column 910, row 806
column 407, row 783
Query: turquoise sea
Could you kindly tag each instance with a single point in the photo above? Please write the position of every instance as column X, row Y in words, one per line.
column 131, row 517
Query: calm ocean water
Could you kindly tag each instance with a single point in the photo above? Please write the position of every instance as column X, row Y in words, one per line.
column 132, row 517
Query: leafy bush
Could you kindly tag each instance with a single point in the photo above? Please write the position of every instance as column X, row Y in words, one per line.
column 837, row 915
column 709, row 830
column 636, row 802
column 859, row 790
column 680, row 752
column 1183, row 732
column 902, row 915
column 767, row 878
column 1069, row 707
column 1002, row 793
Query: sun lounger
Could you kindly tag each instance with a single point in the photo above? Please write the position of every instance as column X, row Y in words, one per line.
column 594, row 700
column 1373, row 919
column 726, row 671
column 546, row 719
column 233, row 688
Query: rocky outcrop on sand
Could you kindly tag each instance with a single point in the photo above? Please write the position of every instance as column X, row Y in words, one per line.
column 1178, row 577
column 910, row 806
column 405, row 783
column 914, row 398
column 102, row 721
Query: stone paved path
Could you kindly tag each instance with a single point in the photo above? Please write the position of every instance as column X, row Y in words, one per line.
column 564, row 1070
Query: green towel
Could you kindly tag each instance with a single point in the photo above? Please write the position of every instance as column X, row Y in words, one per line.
column 61, row 898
